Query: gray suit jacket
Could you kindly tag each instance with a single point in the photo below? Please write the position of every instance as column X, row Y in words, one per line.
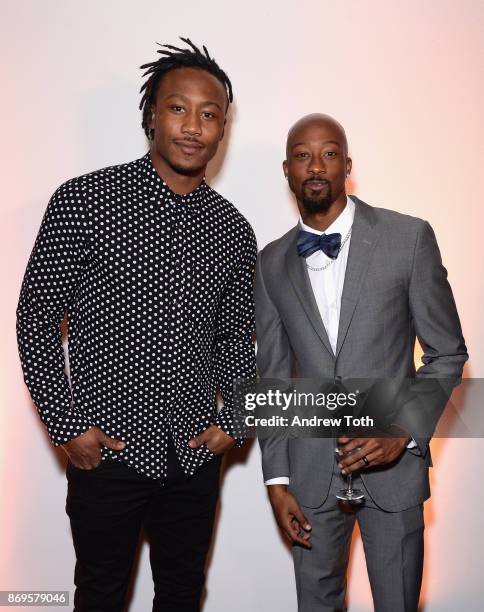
column 395, row 290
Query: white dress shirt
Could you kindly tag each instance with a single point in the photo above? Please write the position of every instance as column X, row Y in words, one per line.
column 327, row 284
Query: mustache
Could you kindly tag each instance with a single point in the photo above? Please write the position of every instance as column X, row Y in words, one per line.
column 189, row 141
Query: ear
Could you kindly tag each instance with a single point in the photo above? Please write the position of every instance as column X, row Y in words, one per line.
column 349, row 165
column 151, row 117
column 223, row 130
column 284, row 168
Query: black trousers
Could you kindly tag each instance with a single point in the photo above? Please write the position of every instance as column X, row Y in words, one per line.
column 109, row 505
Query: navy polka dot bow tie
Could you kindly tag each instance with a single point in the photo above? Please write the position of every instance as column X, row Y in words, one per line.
column 308, row 243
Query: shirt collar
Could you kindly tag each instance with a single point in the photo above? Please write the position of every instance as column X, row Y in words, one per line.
column 341, row 224
column 155, row 184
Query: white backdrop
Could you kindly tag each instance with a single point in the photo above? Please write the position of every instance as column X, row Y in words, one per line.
column 405, row 79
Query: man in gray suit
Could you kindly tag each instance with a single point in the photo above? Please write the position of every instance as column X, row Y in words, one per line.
column 343, row 295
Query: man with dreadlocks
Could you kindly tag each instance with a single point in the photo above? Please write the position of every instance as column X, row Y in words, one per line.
column 154, row 270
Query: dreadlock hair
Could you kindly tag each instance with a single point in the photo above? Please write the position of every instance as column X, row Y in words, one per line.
column 171, row 58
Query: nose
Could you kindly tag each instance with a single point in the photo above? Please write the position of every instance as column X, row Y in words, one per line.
column 316, row 165
column 192, row 125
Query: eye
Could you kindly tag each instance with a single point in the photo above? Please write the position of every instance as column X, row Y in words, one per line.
column 208, row 115
column 331, row 154
column 301, row 155
column 177, row 108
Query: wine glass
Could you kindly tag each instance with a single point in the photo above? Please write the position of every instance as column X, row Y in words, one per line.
column 349, row 494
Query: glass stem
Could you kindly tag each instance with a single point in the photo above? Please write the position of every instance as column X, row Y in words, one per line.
column 350, row 483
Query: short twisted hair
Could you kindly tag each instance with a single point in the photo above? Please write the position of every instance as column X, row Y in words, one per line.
column 172, row 58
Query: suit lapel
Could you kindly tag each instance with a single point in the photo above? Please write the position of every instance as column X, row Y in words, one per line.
column 362, row 244
column 299, row 277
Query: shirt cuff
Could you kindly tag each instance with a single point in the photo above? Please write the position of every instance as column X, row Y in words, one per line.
column 412, row 444
column 284, row 480
column 224, row 421
column 67, row 426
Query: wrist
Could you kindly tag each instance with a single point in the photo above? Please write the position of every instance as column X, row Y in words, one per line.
column 400, row 432
column 277, row 490
column 405, row 441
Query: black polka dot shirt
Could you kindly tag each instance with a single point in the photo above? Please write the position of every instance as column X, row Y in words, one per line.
column 157, row 288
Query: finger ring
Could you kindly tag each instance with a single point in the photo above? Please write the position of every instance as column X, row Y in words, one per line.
column 365, row 460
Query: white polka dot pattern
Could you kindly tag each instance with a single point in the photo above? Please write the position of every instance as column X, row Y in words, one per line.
column 158, row 293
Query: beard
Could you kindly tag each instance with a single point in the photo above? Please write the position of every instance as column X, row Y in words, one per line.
column 186, row 171
column 183, row 167
column 316, row 204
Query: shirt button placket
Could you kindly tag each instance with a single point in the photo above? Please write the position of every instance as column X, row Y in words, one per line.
column 175, row 298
